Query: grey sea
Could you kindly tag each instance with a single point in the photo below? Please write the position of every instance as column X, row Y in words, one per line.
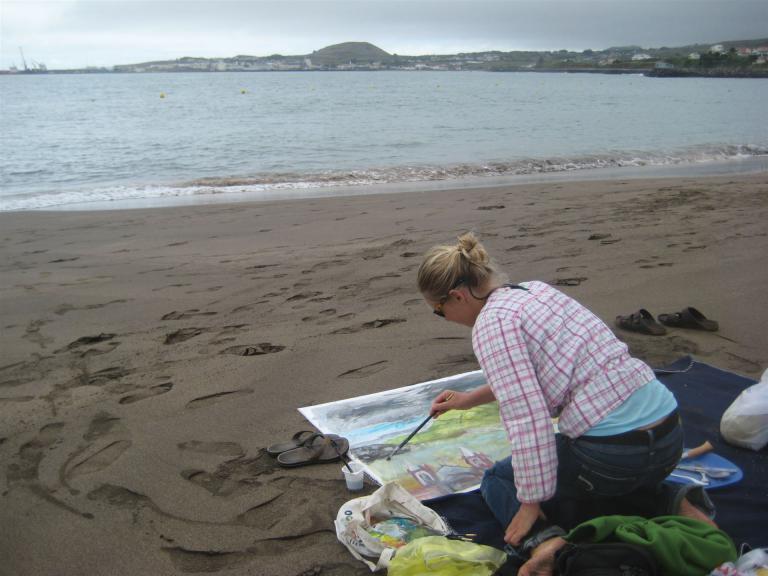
column 122, row 140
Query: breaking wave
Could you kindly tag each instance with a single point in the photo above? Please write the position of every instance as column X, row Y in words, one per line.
column 273, row 184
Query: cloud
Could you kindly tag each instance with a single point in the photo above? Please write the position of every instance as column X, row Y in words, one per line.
column 103, row 32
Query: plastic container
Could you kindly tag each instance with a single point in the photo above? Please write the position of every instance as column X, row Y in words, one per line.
column 355, row 477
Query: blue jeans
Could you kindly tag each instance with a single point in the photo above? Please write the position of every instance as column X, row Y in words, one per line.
column 594, row 479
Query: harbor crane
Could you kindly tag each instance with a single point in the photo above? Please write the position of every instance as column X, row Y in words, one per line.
column 23, row 62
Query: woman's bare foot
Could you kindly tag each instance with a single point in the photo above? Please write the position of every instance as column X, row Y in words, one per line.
column 542, row 562
column 690, row 511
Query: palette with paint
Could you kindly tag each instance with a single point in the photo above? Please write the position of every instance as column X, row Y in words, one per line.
column 709, row 470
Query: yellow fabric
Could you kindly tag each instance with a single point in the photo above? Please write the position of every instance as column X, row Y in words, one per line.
column 440, row 555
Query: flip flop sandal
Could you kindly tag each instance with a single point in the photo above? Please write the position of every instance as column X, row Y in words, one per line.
column 689, row 318
column 296, row 441
column 321, row 449
column 641, row 321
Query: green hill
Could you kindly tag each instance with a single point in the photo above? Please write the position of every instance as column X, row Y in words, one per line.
column 354, row 52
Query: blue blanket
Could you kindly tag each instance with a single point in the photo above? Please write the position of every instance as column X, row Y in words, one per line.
column 703, row 393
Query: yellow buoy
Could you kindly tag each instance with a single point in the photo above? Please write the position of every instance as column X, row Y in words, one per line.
column 242, row 91
column 162, row 94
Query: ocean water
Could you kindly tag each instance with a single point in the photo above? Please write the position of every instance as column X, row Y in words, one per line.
column 80, row 140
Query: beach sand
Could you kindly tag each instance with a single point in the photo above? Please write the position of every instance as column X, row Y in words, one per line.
column 133, row 428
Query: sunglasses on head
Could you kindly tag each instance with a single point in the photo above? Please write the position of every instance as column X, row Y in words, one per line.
column 438, row 308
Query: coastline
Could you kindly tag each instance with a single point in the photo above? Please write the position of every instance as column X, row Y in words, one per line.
column 256, row 193
column 133, row 425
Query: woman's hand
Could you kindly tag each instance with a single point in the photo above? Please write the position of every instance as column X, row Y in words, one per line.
column 522, row 522
column 449, row 400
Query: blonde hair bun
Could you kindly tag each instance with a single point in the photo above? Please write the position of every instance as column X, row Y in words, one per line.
column 471, row 248
column 443, row 266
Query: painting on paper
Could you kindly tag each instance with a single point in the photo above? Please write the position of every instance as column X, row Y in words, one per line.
column 448, row 455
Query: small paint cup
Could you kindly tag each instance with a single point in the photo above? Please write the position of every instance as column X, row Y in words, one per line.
column 355, row 477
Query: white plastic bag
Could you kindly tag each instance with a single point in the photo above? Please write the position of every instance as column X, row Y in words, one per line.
column 753, row 563
column 356, row 518
column 745, row 422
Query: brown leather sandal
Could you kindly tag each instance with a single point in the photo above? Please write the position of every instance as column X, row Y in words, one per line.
column 641, row 321
column 296, row 440
column 318, row 449
column 689, row 318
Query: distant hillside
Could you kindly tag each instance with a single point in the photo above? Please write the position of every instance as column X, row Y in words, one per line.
column 355, row 52
column 737, row 58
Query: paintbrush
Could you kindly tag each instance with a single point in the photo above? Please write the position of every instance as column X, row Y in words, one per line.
column 419, row 427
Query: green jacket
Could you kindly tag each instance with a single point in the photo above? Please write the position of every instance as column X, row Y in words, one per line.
column 682, row 546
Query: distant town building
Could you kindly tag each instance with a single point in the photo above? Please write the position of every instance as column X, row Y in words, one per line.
column 641, row 56
column 450, row 476
column 694, row 56
column 717, row 49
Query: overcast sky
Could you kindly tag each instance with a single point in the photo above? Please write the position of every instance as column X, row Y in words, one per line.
column 77, row 33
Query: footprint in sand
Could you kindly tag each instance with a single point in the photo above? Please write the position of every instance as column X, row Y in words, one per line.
column 148, row 393
column 364, row 371
column 303, row 508
column 99, row 460
column 564, row 268
column 378, row 323
column 253, row 349
column 210, row 399
column 519, row 247
column 16, row 399
column 86, row 341
column 99, row 350
column 302, row 296
column 569, row 281
column 231, row 329
column 238, row 475
column 186, row 314
column 459, row 360
column 183, row 334
column 384, row 276
column 108, row 374
column 170, row 286
column 325, row 265
column 321, row 299
column 101, row 425
column 121, row 497
column 31, row 453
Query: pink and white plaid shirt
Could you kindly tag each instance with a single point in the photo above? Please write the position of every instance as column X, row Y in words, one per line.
column 545, row 355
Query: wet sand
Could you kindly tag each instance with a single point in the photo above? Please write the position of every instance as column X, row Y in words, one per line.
column 147, row 357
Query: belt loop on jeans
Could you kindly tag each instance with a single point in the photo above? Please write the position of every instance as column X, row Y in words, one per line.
column 639, row 437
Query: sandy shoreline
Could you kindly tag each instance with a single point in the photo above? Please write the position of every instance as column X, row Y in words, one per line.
column 132, row 427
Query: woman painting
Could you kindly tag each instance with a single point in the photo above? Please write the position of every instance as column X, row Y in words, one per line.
column 544, row 355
